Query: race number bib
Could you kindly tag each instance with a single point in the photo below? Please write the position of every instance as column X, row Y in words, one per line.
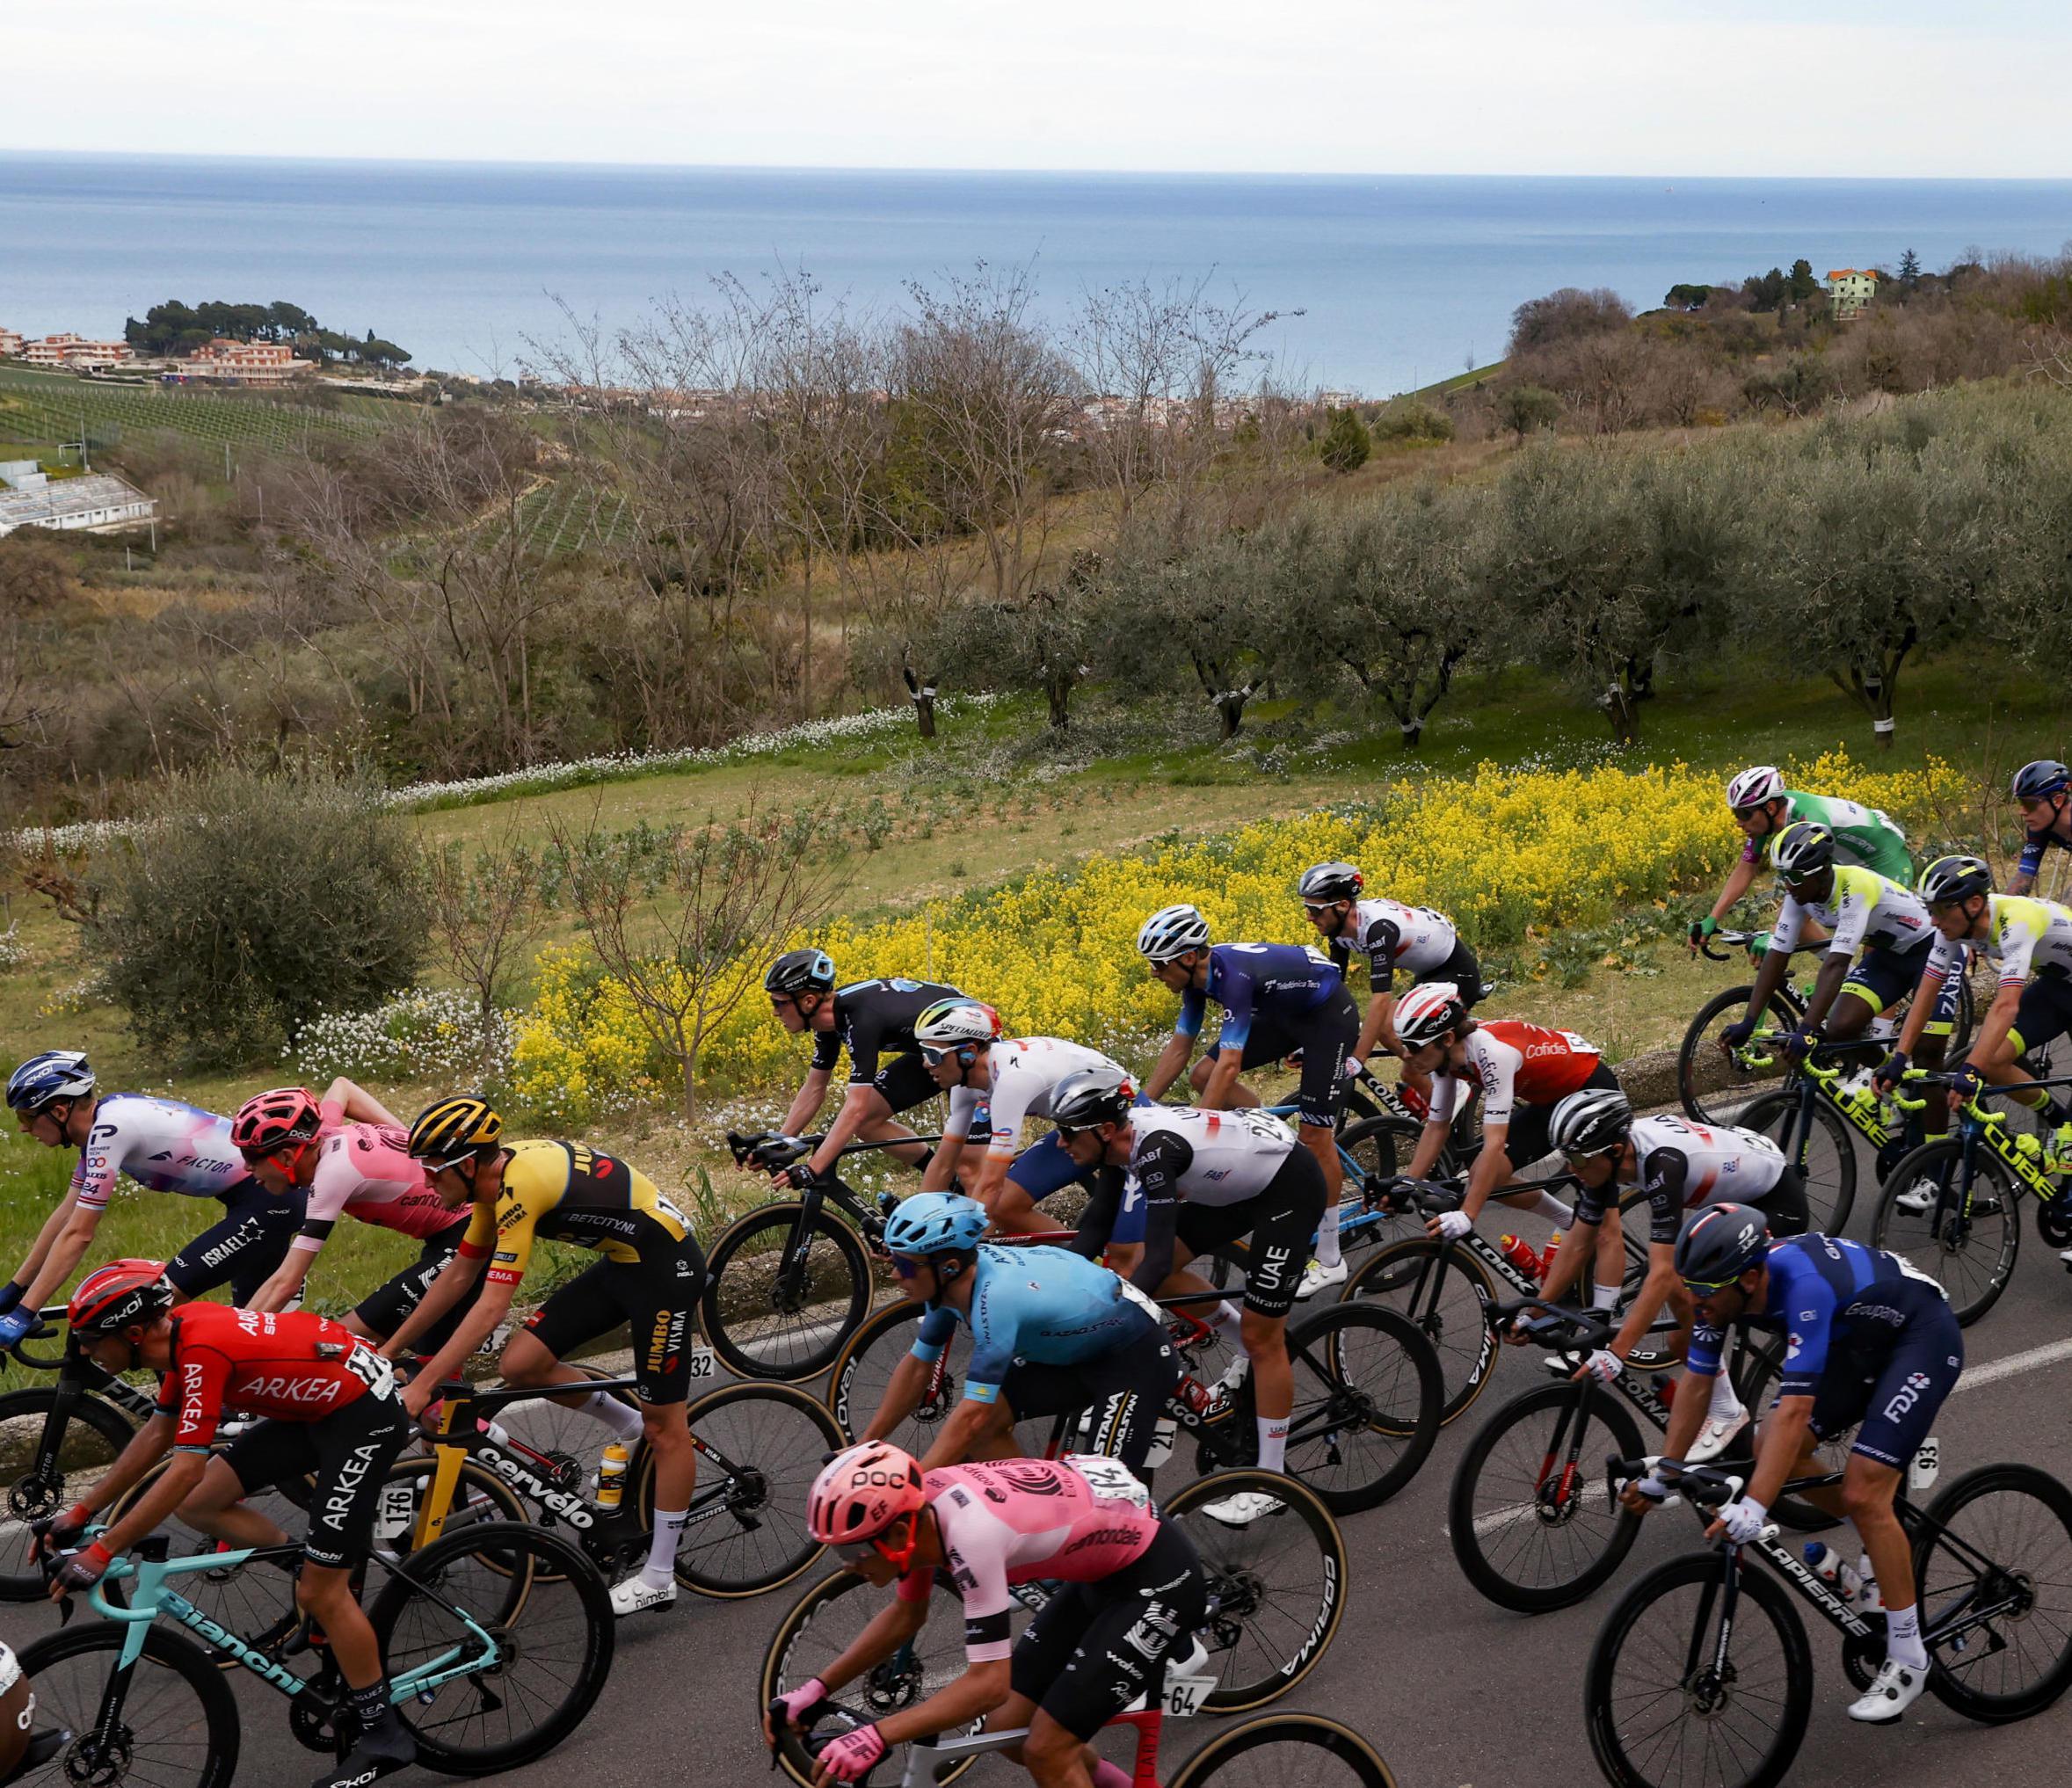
column 1143, row 1301
column 704, row 1363
column 1111, row 1478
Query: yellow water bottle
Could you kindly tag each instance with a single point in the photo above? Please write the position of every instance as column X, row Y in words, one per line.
column 611, row 1475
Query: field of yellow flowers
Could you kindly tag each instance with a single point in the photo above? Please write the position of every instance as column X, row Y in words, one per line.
column 1502, row 850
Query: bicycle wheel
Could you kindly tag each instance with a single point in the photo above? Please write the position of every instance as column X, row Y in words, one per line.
column 1754, row 1372
column 1277, row 1586
column 1998, row 1537
column 1447, row 1299
column 865, row 1367
column 1830, row 1154
column 1285, row 1750
column 548, row 1616
column 1383, row 1146
column 178, row 1727
column 1367, row 1395
column 1531, row 1515
column 1712, row 1083
column 1971, row 1254
column 759, row 1448
column 93, row 1439
column 824, row 1623
column 769, row 1317
column 1674, row 1699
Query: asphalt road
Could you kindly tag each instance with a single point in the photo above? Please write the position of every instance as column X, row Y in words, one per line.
column 1453, row 1690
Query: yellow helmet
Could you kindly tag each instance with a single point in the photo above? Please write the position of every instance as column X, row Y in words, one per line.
column 449, row 1130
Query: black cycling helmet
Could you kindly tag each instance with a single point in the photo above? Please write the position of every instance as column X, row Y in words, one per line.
column 1718, row 1244
column 1092, row 1096
column 1803, row 850
column 1953, row 878
column 1322, row 881
column 2039, row 781
column 1590, row 1121
column 800, row 972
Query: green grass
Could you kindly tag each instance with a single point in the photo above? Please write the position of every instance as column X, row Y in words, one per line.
column 1462, row 382
column 47, row 407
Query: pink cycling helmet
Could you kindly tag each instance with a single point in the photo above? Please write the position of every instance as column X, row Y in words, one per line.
column 862, row 1492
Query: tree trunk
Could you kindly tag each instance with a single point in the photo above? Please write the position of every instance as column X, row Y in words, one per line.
column 923, row 696
column 1619, row 705
column 1058, row 688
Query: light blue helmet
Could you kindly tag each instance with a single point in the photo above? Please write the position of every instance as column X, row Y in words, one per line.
column 55, row 1074
column 933, row 1223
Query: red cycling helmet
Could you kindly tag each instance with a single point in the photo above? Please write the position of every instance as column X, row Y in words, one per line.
column 272, row 1120
column 862, row 1492
column 122, row 1295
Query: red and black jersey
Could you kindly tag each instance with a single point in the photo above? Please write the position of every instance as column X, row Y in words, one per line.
column 292, row 1366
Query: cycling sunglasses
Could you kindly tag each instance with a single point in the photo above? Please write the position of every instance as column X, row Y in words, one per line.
column 1314, row 907
column 906, row 1267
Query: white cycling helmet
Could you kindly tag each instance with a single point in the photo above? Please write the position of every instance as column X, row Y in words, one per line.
column 1171, row 932
column 949, row 1024
column 1752, row 787
column 1427, row 1012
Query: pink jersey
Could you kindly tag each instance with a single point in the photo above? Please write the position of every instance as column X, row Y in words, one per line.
column 365, row 1170
column 1017, row 1520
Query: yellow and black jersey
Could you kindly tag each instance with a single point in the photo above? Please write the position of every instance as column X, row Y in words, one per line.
column 570, row 1192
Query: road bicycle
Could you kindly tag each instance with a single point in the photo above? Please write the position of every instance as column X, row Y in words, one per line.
column 1276, row 1594
column 1812, row 1115
column 497, row 1640
column 1702, row 1677
column 1367, row 1392
column 1953, row 1207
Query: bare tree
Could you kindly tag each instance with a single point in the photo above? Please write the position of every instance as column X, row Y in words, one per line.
column 486, row 908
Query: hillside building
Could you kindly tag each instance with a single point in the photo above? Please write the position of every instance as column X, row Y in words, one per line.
column 1850, row 292
column 242, row 363
column 30, row 497
column 11, row 344
column 75, row 353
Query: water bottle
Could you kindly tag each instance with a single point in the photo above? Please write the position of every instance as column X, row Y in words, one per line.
column 1827, row 1564
column 611, row 1475
column 1521, row 1256
column 1546, row 1261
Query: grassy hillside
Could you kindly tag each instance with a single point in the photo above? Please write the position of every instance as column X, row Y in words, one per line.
column 47, row 407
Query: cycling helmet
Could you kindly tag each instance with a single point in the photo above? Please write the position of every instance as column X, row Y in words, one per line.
column 800, row 972
column 55, row 1074
column 451, row 1129
column 1427, row 1012
column 1172, row 932
column 1718, row 1244
column 1803, row 850
column 2040, row 780
column 1953, row 878
column 949, row 1023
column 1092, row 1096
column 934, row 1223
column 861, row 1491
column 123, row 1294
column 1752, row 787
column 1323, row 881
column 273, row 1120
column 1591, row 1121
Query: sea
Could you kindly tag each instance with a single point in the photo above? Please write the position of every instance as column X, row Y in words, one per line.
column 1381, row 284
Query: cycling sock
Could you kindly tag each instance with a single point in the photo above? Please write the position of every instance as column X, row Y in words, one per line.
column 1327, row 1250
column 1552, row 1208
column 1726, row 1403
column 622, row 1419
column 1902, row 1637
column 369, row 1704
column 1273, row 1443
column 661, row 1565
column 1603, row 1296
column 1228, row 1321
column 1107, row 1775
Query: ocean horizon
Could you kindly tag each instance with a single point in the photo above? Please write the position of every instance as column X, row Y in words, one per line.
column 1401, row 281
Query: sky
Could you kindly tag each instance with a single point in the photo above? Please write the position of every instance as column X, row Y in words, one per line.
column 1898, row 88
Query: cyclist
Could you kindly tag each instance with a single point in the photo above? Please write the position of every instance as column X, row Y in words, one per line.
column 294, row 1145
column 1682, row 1167
column 17, row 1712
column 1763, row 806
column 1870, row 1339
column 1276, row 999
column 1424, row 945
column 2040, row 790
column 162, row 1145
column 1522, row 1071
column 1051, row 1333
column 1193, row 1182
column 1859, row 911
column 650, row 1278
column 330, row 1413
column 1131, row 1595
column 997, row 1085
column 869, row 1019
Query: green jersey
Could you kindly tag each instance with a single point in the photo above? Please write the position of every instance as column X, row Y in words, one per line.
column 1862, row 834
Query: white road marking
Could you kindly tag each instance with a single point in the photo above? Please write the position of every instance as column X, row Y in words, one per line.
column 2030, row 1360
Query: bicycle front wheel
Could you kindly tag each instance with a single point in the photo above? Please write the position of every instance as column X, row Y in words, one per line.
column 1277, row 1585
column 92, row 1440
column 1367, row 1395
column 782, row 1291
column 1993, row 1559
column 759, row 1448
column 1830, row 1154
column 1966, row 1246
column 178, row 1727
column 1531, row 1514
column 546, row 1618
column 1712, row 1083
column 1446, row 1295
column 1684, row 1690
column 1285, row 1750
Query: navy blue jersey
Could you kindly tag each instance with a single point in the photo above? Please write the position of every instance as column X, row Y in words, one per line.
column 1258, row 980
column 2034, row 844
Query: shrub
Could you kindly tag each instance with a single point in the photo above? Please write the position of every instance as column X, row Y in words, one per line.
column 1408, row 419
column 1346, row 443
column 246, row 905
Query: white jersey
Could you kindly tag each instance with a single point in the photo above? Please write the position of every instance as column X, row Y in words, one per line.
column 1392, row 936
column 1204, row 1157
column 161, row 1143
column 1026, row 1071
column 2022, row 935
column 1862, row 910
column 1722, row 1162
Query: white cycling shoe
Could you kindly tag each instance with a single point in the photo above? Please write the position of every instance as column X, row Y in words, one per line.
column 1919, row 1199
column 1894, row 1690
column 638, row 1595
column 1224, row 1391
column 1713, row 1437
column 1244, row 1509
column 1318, row 1277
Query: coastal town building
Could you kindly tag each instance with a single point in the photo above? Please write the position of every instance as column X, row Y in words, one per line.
column 75, row 351
column 1850, row 292
column 241, row 362
column 30, row 497
column 11, row 344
